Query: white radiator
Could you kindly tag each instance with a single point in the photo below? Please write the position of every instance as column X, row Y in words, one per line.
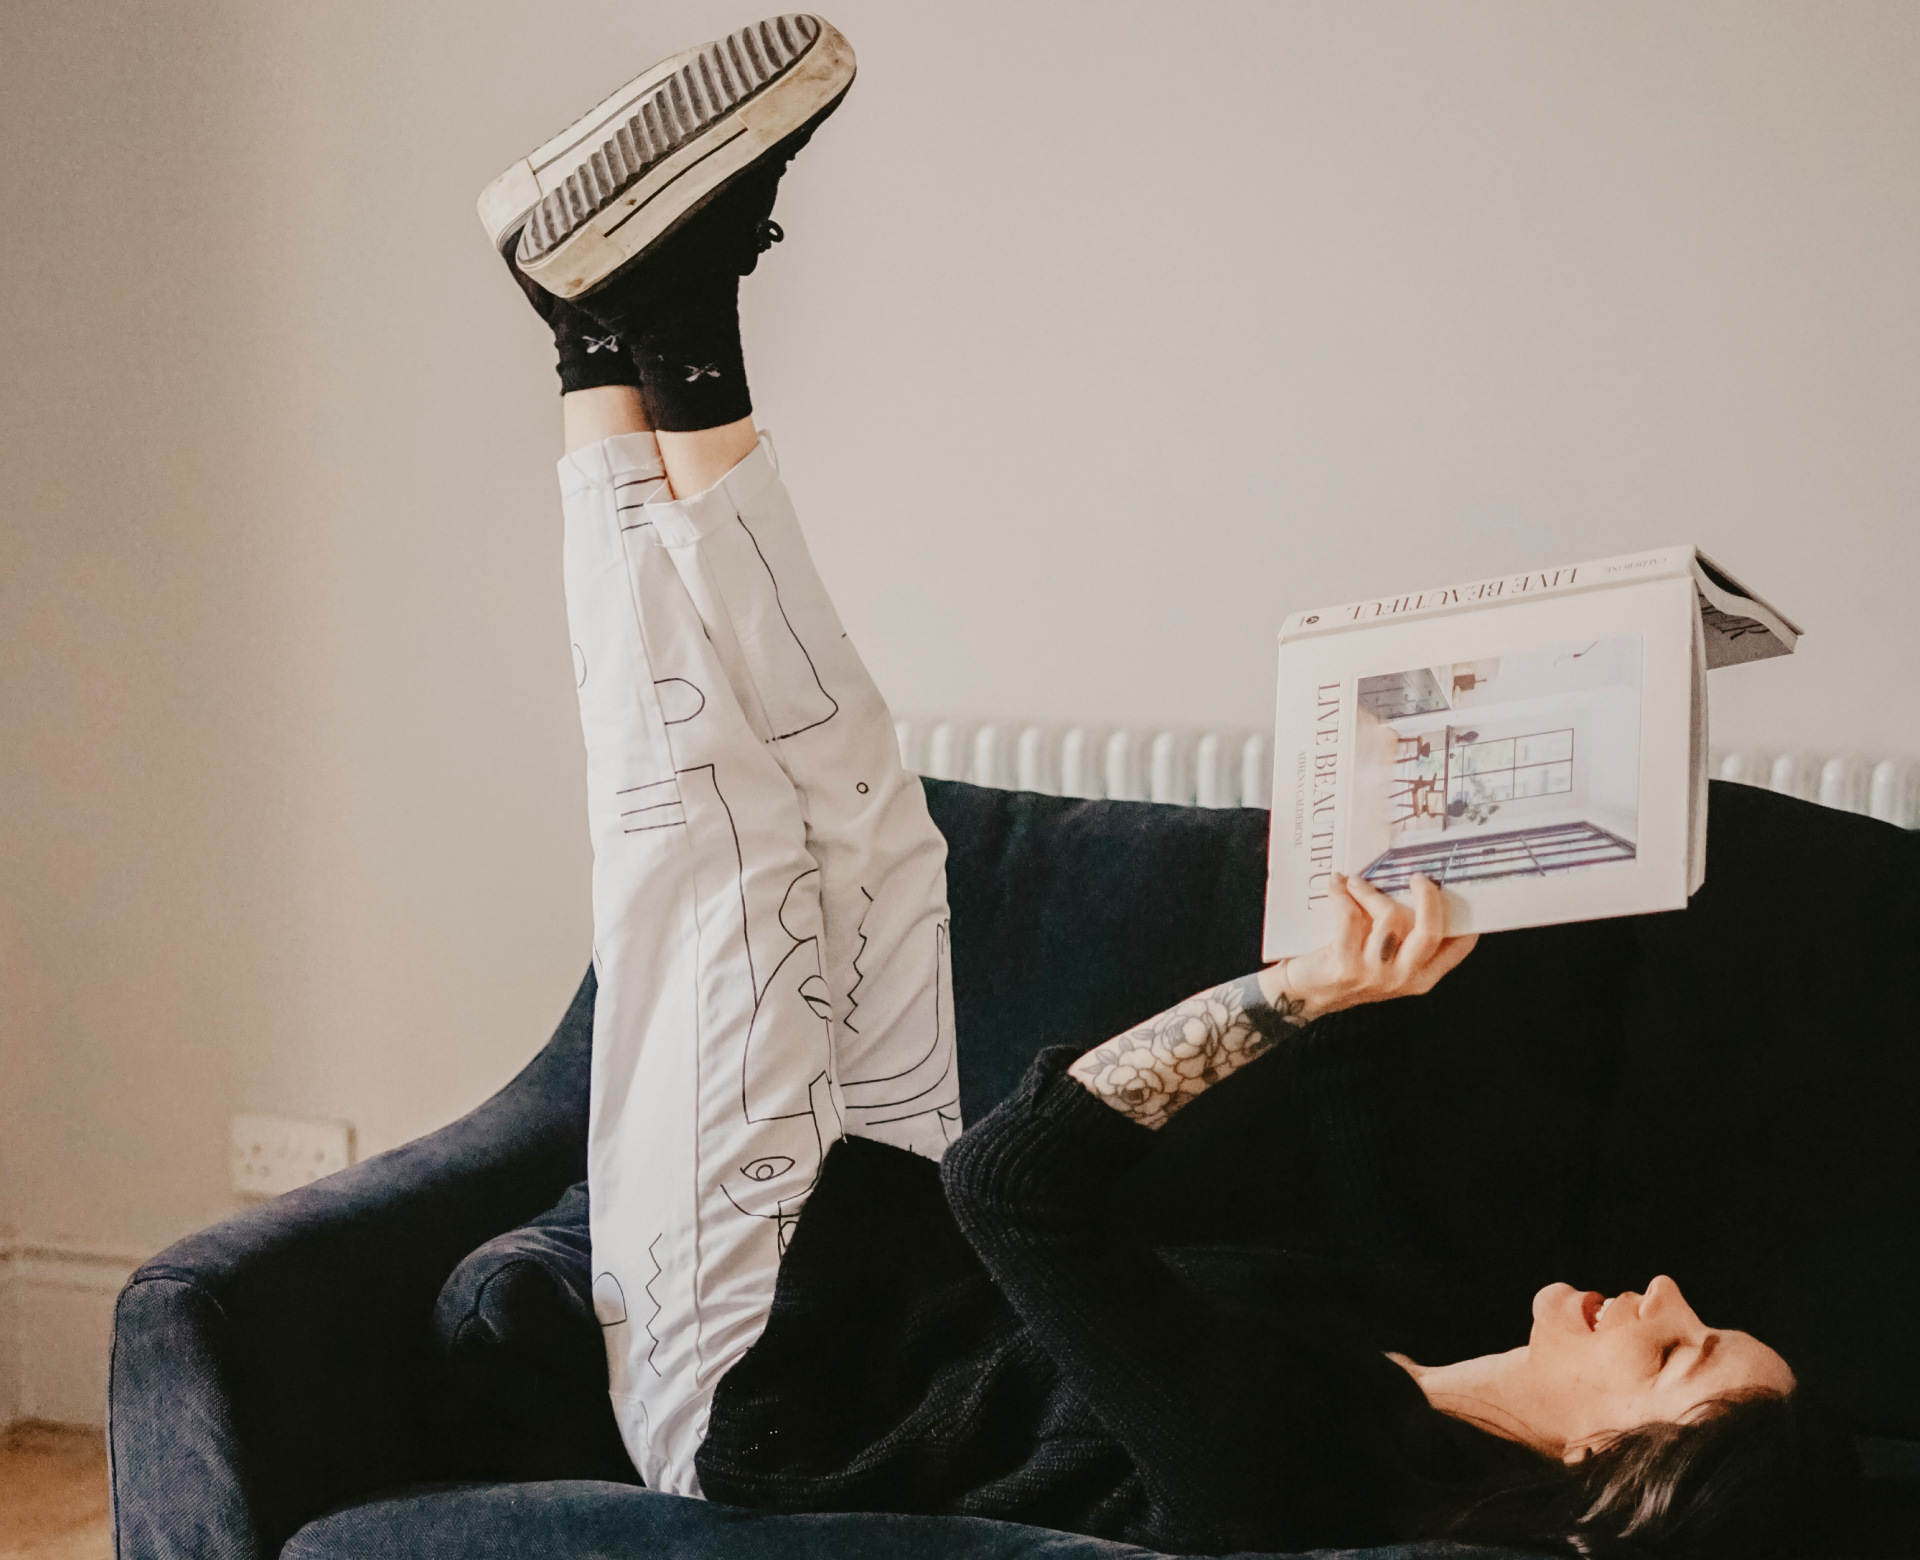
column 1234, row 768
column 1210, row 769
column 1886, row 788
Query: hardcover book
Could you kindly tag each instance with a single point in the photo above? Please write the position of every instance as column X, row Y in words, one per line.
column 1535, row 743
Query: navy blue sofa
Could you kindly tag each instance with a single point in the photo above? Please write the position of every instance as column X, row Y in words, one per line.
column 1727, row 1093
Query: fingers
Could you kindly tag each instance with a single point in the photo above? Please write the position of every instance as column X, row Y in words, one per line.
column 1450, row 953
column 1441, row 953
column 1382, row 947
column 1429, row 923
column 1392, row 921
column 1351, row 923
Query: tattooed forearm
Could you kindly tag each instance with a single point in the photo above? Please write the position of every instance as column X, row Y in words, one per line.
column 1156, row 1068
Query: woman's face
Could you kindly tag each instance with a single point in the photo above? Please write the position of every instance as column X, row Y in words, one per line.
column 1604, row 1365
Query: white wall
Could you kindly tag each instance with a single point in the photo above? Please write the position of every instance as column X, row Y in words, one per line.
column 1103, row 337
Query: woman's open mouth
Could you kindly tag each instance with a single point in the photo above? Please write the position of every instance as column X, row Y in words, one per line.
column 1593, row 1305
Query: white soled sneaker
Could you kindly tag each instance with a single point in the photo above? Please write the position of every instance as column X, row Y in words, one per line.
column 631, row 171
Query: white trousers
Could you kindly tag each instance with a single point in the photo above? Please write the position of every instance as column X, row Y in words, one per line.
column 769, row 913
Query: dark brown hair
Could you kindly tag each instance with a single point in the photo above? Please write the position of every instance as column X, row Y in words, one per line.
column 1756, row 1476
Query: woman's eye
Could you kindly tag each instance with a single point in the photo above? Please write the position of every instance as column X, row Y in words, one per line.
column 1667, row 1354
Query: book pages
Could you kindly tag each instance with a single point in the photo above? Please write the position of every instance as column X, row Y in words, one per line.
column 1739, row 625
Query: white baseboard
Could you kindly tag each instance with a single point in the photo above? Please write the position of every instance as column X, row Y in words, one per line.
column 9, row 1340
column 56, row 1323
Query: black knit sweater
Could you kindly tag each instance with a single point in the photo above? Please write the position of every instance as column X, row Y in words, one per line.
column 1013, row 1350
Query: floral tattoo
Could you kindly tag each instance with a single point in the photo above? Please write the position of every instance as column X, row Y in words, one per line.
column 1159, row 1067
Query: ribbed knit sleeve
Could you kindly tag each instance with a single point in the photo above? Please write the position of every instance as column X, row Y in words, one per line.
column 1243, row 1431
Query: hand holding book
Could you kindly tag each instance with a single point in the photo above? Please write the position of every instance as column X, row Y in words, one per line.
column 1381, row 948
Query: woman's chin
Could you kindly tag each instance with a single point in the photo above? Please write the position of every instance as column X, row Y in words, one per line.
column 1543, row 1301
column 1549, row 1305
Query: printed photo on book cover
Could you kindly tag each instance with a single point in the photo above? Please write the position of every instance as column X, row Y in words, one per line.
column 1514, row 766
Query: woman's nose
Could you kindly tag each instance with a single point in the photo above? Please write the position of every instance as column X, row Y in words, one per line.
column 1664, row 1299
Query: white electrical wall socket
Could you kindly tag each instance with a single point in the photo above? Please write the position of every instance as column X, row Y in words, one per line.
column 272, row 1155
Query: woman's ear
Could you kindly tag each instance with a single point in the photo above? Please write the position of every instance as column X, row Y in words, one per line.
column 1576, row 1453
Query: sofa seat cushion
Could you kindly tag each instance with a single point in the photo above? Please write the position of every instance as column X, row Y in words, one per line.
column 580, row 1519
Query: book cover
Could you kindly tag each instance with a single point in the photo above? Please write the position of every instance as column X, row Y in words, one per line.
column 1534, row 743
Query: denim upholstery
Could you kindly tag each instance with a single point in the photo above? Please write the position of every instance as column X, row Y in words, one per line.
column 277, row 1365
column 582, row 1521
column 524, row 1359
column 1753, row 1055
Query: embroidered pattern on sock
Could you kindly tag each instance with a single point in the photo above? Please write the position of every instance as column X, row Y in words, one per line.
column 602, row 344
column 696, row 372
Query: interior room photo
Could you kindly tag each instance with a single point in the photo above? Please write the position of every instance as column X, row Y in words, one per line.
column 1516, row 765
column 638, row 664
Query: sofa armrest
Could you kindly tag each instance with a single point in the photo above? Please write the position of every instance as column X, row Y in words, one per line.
column 278, row 1364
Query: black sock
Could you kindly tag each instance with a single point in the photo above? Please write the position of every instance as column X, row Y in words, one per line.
column 678, row 310
column 590, row 354
column 687, row 349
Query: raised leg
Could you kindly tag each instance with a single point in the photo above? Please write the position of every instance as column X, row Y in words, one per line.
column 738, row 548
column 770, row 912
column 712, row 1099
column 795, row 674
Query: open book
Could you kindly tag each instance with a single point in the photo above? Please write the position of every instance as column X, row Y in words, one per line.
column 1536, row 744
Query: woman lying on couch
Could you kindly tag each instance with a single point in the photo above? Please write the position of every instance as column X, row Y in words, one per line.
column 817, row 1292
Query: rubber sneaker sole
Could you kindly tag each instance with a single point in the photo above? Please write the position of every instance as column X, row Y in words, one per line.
column 628, row 172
